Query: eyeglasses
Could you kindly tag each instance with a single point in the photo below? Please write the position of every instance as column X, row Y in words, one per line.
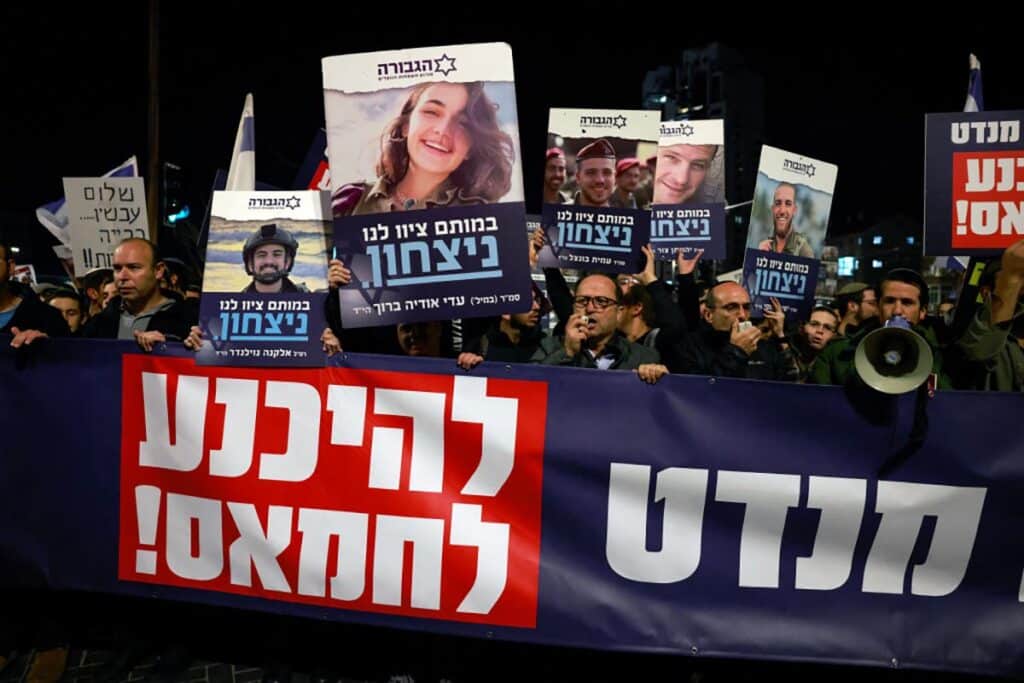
column 817, row 323
column 600, row 302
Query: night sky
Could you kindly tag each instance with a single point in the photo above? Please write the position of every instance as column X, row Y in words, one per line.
column 76, row 86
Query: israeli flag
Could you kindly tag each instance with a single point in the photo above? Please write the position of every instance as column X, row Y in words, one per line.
column 957, row 264
column 975, row 100
column 54, row 216
column 242, row 172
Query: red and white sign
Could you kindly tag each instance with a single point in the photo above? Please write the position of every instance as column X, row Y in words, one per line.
column 988, row 199
column 400, row 493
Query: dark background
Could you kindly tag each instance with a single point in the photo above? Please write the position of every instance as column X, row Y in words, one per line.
column 852, row 91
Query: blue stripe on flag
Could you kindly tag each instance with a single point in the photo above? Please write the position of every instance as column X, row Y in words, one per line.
column 248, row 135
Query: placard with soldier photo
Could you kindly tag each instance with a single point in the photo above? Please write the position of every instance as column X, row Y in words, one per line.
column 265, row 279
column 792, row 280
column 689, row 190
column 788, row 224
column 792, row 201
column 598, row 218
column 427, row 183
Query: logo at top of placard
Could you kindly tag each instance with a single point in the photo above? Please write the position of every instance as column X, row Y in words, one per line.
column 416, row 68
column 619, row 121
column 290, row 203
column 798, row 167
column 686, row 130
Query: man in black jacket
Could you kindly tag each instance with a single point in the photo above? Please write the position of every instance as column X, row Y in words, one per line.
column 22, row 314
column 592, row 339
column 141, row 311
column 512, row 338
column 727, row 345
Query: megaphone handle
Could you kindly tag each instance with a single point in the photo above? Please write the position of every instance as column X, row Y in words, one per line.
column 918, row 432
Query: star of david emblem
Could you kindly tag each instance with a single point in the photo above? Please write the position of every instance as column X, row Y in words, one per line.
column 445, row 65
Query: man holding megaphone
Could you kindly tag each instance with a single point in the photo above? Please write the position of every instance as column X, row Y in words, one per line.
column 896, row 357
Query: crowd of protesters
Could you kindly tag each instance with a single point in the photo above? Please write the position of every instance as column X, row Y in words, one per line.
column 625, row 322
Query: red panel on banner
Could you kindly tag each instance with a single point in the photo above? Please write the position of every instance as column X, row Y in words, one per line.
column 988, row 199
column 400, row 493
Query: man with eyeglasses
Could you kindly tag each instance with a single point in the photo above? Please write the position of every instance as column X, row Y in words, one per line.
column 857, row 303
column 724, row 346
column 592, row 339
column 813, row 336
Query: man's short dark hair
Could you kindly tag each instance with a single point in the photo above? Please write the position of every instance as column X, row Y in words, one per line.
column 61, row 293
column 824, row 309
column 611, row 278
column 179, row 268
column 910, row 277
column 638, row 294
column 6, row 249
column 790, row 186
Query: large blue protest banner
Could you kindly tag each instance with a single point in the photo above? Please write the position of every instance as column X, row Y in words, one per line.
column 663, row 526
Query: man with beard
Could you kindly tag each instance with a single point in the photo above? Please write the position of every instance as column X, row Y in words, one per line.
column 784, row 239
column 269, row 255
column 902, row 293
column 857, row 303
column 513, row 338
column 554, row 177
column 595, row 174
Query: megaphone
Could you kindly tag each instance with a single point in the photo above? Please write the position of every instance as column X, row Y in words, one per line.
column 893, row 359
